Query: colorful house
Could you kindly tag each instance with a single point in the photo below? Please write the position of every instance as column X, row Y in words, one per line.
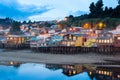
column 104, row 39
column 71, row 70
column 17, row 40
column 72, row 40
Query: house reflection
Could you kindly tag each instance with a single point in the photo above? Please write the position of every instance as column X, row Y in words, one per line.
column 94, row 71
column 53, row 67
column 105, row 73
column 67, row 69
column 11, row 63
column 71, row 70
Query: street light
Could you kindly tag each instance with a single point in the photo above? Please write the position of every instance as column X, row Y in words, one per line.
column 100, row 25
column 86, row 25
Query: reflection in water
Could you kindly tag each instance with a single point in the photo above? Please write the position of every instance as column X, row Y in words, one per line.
column 32, row 71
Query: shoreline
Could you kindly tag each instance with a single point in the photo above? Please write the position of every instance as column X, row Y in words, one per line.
column 27, row 56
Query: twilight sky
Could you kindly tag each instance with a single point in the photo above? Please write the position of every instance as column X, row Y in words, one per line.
column 46, row 9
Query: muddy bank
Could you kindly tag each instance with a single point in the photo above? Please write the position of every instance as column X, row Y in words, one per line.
column 29, row 56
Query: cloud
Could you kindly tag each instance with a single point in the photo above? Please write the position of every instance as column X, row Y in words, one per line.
column 17, row 11
column 46, row 9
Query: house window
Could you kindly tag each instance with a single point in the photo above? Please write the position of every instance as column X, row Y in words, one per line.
column 105, row 41
column 111, row 41
column 70, row 37
column 100, row 41
column 108, row 41
column 118, row 38
column 74, row 38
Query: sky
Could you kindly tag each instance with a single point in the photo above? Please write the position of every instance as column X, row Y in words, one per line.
column 42, row 10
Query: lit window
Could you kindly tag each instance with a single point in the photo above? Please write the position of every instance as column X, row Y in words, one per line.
column 70, row 37
column 111, row 40
column 108, row 73
column 105, row 72
column 99, row 41
column 99, row 72
column 74, row 72
column 74, row 38
column 118, row 76
column 90, row 73
column 102, row 41
column 108, row 41
column 102, row 72
column 105, row 41
column 118, row 38
column 11, row 38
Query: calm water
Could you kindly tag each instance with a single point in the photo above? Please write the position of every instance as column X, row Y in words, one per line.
column 33, row 71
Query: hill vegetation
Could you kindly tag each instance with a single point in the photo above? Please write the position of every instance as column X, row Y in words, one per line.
column 99, row 17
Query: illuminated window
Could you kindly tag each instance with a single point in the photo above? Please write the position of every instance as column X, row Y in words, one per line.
column 99, row 72
column 105, row 41
column 90, row 73
column 70, row 37
column 118, row 76
column 100, row 41
column 118, row 38
column 105, row 72
column 70, row 72
column 111, row 41
column 102, row 72
column 108, row 73
column 74, row 38
column 11, row 38
column 108, row 41
column 74, row 72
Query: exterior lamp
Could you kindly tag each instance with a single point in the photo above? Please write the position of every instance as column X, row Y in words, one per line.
column 86, row 25
column 118, row 76
column 105, row 41
column 100, row 25
column 70, row 29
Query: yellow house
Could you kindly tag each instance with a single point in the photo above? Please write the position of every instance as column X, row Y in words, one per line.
column 73, row 40
column 91, row 42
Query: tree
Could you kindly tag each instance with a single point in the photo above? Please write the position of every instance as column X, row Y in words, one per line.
column 106, row 12
column 63, row 24
column 24, row 22
column 99, row 8
column 92, row 9
column 15, row 27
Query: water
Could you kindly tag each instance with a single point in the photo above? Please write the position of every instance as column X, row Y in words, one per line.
column 33, row 71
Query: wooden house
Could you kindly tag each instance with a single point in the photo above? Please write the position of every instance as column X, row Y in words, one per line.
column 105, row 39
column 71, row 70
column 105, row 42
column 15, row 41
column 116, row 35
column 108, row 73
column 72, row 40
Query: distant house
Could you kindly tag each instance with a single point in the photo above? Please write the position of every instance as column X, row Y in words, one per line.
column 17, row 40
column 73, row 40
column 104, row 39
column 71, row 70
column 116, row 35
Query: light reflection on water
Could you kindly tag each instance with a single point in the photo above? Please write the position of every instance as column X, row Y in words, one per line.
column 33, row 71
